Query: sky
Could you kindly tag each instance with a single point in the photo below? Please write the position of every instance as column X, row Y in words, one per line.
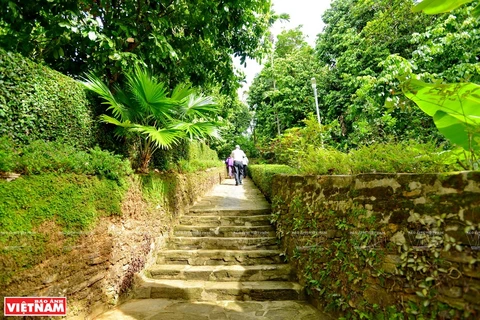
column 307, row 13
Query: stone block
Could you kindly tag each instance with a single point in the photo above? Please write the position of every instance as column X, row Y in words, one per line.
column 453, row 302
column 452, row 292
column 470, row 271
column 375, row 294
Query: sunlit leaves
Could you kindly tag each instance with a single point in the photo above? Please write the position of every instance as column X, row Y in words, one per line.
column 454, row 108
column 439, row 6
column 185, row 41
column 148, row 112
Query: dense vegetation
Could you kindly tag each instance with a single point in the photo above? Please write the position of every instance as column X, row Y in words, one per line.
column 39, row 103
column 183, row 40
column 360, row 62
column 383, row 72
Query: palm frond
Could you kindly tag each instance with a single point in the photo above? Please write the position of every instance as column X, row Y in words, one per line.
column 163, row 138
column 150, row 94
column 107, row 119
column 93, row 83
column 198, row 106
column 199, row 129
column 181, row 92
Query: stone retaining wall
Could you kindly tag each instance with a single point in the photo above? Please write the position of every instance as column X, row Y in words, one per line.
column 96, row 270
column 384, row 239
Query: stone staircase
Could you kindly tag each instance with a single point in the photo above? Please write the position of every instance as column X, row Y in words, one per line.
column 224, row 248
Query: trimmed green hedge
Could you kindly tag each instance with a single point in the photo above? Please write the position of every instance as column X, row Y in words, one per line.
column 186, row 154
column 200, row 151
column 262, row 175
column 39, row 103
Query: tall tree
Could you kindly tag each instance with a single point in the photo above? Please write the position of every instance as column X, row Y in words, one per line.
column 183, row 40
column 281, row 95
column 359, row 36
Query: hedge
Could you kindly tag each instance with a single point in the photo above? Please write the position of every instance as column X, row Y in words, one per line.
column 37, row 102
column 262, row 175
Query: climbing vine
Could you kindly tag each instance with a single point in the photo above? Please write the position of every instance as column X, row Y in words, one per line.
column 383, row 264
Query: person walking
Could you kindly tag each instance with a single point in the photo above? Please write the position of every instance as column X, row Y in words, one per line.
column 238, row 156
column 229, row 163
column 245, row 164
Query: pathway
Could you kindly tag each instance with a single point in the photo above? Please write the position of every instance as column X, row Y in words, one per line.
column 223, row 262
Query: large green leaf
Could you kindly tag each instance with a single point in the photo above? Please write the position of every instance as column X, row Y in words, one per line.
column 455, row 109
column 457, row 131
column 438, row 6
column 460, row 100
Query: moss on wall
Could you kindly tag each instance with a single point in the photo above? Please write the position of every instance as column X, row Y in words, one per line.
column 389, row 245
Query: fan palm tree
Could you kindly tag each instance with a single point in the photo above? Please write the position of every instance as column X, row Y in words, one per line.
column 145, row 110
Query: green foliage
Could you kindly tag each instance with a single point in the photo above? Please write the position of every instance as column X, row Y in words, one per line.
column 39, row 103
column 441, row 6
column 262, row 175
column 158, row 189
column 185, row 166
column 301, row 148
column 182, row 40
column 281, row 95
column 54, row 157
column 236, row 120
column 454, row 108
column 8, row 154
column 200, row 151
column 355, row 81
column 146, row 113
column 402, row 157
column 73, row 201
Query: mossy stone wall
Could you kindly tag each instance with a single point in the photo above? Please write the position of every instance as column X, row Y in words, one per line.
column 95, row 269
column 384, row 243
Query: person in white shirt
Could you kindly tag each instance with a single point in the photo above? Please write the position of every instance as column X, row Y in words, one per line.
column 245, row 164
column 238, row 156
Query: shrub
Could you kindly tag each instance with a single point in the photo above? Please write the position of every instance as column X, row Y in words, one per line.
column 184, row 166
column 200, row 151
column 404, row 157
column 186, row 151
column 39, row 103
column 8, row 155
column 42, row 157
column 262, row 175
column 108, row 165
column 328, row 161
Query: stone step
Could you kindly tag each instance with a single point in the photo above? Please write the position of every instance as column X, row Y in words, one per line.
column 189, row 243
column 229, row 231
column 220, row 257
column 218, row 290
column 272, row 272
column 215, row 221
column 227, row 212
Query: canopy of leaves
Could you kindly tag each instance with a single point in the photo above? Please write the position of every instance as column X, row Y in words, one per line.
column 356, row 68
column 182, row 40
